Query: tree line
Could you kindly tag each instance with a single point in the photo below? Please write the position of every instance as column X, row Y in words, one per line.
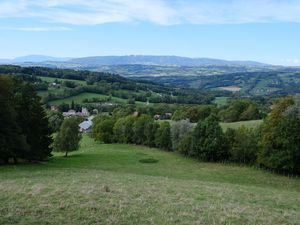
column 274, row 145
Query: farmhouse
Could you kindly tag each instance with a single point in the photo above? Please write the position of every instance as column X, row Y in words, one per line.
column 84, row 112
column 85, row 126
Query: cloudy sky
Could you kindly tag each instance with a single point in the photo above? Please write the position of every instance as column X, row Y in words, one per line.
column 261, row 30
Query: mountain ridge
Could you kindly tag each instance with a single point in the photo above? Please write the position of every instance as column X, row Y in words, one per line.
column 163, row 60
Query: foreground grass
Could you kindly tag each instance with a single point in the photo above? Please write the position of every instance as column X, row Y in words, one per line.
column 106, row 184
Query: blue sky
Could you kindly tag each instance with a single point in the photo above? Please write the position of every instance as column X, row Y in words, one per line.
column 261, row 30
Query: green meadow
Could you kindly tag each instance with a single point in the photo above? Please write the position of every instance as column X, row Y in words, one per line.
column 235, row 125
column 107, row 184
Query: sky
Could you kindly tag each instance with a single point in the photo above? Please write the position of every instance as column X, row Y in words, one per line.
column 260, row 30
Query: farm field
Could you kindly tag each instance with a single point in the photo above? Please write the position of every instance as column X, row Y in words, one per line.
column 236, row 125
column 79, row 98
column 106, row 184
column 221, row 101
column 52, row 79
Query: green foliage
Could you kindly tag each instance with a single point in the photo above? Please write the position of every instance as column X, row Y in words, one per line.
column 178, row 131
column 55, row 119
column 281, row 138
column 123, row 129
column 163, row 136
column 24, row 132
column 150, row 130
column 240, row 110
column 185, row 143
column 33, row 122
column 139, row 127
column 194, row 113
column 68, row 137
column 208, row 143
column 245, row 146
column 12, row 141
column 103, row 128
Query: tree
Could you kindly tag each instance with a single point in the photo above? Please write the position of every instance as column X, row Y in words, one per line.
column 55, row 119
column 240, row 110
column 33, row 123
column 139, row 129
column 208, row 143
column 149, row 132
column 163, row 136
column 12, row 141
column 245, row 146
column 185, row 143
column 122, row 129
column 178, row 130
column 68, row 137
column 281, row 137
column 103, row 129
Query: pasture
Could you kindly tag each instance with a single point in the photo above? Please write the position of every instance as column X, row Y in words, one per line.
column 108, row 184
column 235, row 125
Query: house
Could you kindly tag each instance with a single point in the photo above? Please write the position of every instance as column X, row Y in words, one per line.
column 156, row 117
column 84, row 112
column 71, row 112
column 54, row 108
column 136, row 114
column 85, row 126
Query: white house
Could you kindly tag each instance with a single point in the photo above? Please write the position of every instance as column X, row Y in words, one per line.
column 85, row 126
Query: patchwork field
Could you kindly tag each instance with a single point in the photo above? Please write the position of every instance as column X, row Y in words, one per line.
column 107, row 184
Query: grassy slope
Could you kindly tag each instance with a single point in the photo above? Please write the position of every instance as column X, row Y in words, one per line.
column 106, row 184
column 52, row 79
column 79, row 98
column 236, row 125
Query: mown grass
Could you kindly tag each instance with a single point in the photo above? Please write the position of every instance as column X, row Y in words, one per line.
column 236, row 125
column 106, row 184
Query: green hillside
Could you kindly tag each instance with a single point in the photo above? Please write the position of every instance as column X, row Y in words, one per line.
column 106, row 184
column 236, row 125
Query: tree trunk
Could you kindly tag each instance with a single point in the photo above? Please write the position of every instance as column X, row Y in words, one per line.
column 66, row 155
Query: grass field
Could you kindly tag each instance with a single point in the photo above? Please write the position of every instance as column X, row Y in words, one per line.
column 236, row 125
column 221, row 101
column 106, row 184
column 52, row 79
column 79, row 98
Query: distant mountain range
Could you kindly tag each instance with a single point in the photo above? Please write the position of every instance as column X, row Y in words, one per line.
column 130, row 60
column 34, row 59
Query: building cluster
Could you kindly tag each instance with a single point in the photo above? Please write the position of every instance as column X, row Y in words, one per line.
column 84, row 112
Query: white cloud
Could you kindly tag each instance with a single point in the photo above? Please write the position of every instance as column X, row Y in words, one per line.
column 163, row 12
